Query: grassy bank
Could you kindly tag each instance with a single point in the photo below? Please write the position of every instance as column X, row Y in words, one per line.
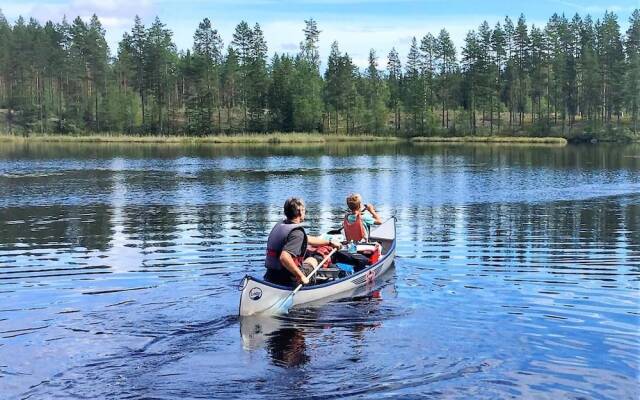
column 492, row 139
column 272, row 138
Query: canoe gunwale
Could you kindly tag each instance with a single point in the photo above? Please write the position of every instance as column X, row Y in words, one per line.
column 382, row 259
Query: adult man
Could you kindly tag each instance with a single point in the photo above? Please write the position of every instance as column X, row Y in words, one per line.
column 287, row 247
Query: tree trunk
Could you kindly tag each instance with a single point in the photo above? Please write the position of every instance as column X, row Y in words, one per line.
column 491, row 114
column 96, row 116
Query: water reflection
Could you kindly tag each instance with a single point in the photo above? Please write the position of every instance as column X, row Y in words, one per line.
column 284, row 342
column 577, row 157
column 287, row 347
column 355, row 313
column 517, row 272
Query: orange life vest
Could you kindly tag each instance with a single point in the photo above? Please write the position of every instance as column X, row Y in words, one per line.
column 355, row 231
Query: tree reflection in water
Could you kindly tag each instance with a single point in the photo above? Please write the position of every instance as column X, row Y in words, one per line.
column 285, row 337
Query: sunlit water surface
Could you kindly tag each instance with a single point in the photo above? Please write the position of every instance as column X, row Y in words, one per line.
column 517, row 273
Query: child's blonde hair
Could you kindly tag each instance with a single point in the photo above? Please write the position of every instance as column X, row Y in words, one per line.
column 354, row 202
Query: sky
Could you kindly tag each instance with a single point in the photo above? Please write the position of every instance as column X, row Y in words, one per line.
column 357, row 25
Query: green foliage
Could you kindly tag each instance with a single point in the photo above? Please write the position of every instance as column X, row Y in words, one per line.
column 573, row 75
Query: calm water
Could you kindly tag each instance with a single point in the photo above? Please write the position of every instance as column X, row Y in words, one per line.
column 517, row 273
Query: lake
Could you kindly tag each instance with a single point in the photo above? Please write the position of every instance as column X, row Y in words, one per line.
column 517, row 272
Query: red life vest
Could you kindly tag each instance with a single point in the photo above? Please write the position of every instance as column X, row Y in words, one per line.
column 355, row 231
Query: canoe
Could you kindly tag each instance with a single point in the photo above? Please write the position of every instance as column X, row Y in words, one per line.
column 259, row 295
column 259, row 330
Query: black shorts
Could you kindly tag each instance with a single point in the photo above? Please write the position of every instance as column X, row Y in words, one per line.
column 279, row 277
column 284, row 277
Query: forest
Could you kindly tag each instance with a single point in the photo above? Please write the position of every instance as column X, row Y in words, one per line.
column 574, row 76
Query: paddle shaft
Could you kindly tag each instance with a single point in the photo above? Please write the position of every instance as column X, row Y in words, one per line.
column 314, row 271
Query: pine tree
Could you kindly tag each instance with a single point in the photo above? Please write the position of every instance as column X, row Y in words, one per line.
column 611, row 62
column 207, row 49
column 537, row 71
column 632, row 47
column 334, row 86
column 97, row 63
column 307, row 95
column 160, row 63
column 413, row 88
column 5, row 43
column 521, row 47
column 78, row 88
column 428, row 47
column 555, row 32
column 498, row 46
column 394, row 79
column 589, row 71
column 257, row 79
column 281, row 93
column 446, row 54
column 137, row 46
column 241, row 43
column 230, row 81
column 485, row 71
column 472, row 67
column 309, row 47
column 375, row 95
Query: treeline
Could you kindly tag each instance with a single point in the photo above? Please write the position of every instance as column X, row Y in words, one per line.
column 570, row 75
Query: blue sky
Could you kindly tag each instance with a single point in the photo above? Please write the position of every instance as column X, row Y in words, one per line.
column 357, row 25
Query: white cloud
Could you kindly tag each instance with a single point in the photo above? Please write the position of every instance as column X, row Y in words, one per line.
column 116, row 16
column 114, row 22
column 13, row 10
column 354, row 36
column 599, row 8
column 358, row 37
column 106, row 9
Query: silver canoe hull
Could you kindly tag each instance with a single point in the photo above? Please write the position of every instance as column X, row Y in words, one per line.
column 258, row 296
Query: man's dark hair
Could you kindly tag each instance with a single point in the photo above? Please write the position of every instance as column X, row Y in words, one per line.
column 293, row 207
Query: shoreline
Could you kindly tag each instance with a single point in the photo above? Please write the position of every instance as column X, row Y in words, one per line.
column 278, row 138
column 492, row 139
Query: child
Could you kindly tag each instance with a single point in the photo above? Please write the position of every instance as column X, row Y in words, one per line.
column 358, row 221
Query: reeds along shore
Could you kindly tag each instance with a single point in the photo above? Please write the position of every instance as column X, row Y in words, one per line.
column 275, row 138
column 272, row 138
column 491, row 139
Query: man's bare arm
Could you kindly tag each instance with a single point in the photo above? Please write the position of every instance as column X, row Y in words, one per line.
column 318, row 241
column 287, row 261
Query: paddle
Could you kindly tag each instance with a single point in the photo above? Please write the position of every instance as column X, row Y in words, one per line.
column 283, row 306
